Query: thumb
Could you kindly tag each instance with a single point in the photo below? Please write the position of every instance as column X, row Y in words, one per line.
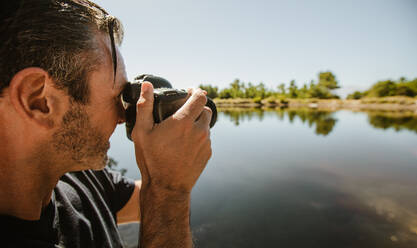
column 144, row 108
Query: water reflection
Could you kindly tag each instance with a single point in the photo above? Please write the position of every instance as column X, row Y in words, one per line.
column 396, row 120
column 323, row 121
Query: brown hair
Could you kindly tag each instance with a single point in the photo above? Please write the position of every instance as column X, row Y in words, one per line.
column 57, row 36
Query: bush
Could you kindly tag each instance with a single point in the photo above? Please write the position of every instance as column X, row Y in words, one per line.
column 271, row 100
column 212, row 92
column 388, row 88
column 225, row 94
column 383, row 88
column 405, row 90
column 283, row 101
column 355, row 95
column 257, row 99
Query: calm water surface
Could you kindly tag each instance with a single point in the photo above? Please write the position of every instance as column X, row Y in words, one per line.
column 302, row 178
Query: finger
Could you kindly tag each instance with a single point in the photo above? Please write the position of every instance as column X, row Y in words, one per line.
column 193, row 106
column 204, row 119
column 144, row 108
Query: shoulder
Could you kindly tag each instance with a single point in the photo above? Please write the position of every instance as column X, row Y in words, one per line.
column 103, row 185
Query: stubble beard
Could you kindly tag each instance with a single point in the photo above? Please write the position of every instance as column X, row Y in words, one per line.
column 78, row 143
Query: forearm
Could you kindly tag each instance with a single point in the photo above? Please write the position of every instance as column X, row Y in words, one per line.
column 173, row 152
column 165, row 218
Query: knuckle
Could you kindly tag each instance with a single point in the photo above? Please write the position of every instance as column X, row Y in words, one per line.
column 141, row 102
column 205, row 134
column 200, row 97
column 203, row 137
column 202, row 100
column 202, row 91
column 208, row 111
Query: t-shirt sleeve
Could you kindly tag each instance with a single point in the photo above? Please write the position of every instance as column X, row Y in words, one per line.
column 121, row 189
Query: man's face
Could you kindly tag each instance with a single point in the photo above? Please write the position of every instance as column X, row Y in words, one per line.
column 86, row 129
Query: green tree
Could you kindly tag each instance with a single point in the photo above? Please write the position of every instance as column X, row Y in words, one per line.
column 250, row 91
column 225, row 94
column 281, row 89
column 383, row 88
column 403, row 80
column 292, row 90
column 212, row 91
column 237, row 89
column 318, row 91
column 262, row 91
column 389, row 88
column 328, row 80
column 413, row 85
column 326, row 83
column 355, row 95
column 406, row 88
column 304, row 92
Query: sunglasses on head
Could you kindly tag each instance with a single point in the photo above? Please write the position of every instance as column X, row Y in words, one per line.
column 113, row 46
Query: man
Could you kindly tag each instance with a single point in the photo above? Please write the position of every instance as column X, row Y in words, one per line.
column 61, row 76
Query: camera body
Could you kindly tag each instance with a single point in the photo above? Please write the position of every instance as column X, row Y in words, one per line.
column 166, row 100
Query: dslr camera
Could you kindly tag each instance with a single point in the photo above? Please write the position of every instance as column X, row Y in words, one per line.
column 167, row 100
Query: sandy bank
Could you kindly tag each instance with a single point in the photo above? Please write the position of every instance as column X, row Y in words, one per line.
column 386, row 104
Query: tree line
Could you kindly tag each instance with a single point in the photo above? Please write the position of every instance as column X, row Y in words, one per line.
column 322, row 89
column 402, row 87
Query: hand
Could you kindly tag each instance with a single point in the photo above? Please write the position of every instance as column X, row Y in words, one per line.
column 172, row 154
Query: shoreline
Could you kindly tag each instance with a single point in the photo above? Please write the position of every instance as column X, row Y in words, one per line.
column 367, row 104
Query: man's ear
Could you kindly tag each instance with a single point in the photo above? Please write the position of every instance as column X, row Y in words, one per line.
column 30, row 94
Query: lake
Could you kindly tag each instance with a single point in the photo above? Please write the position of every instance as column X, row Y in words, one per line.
column 301, row 178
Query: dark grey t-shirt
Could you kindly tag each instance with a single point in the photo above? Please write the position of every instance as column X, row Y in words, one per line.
column 82, row 213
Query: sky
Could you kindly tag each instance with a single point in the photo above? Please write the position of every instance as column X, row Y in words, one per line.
column 215, row 42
